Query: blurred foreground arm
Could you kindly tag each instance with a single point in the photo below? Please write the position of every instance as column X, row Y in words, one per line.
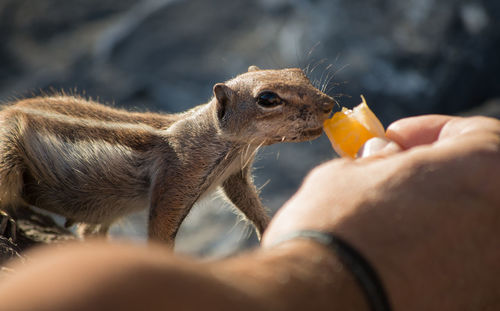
column 427, row 219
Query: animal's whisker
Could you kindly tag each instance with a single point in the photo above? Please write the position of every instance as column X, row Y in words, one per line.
column 263, row 185
column 327, row 78
column 253, row 154
column 318, row 63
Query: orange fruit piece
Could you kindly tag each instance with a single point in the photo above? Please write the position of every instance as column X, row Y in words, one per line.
column 349, row 129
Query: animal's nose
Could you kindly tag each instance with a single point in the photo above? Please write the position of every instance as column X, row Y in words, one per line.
column 327, row 105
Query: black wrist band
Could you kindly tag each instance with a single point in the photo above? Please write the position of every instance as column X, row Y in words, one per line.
column 363, row 272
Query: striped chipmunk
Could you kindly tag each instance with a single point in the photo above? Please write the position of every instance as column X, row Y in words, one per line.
column 93, row 164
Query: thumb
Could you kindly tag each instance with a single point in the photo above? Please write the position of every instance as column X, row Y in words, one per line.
column 378, row 146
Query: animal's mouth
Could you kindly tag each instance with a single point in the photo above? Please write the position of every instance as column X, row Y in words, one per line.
column 304, row 135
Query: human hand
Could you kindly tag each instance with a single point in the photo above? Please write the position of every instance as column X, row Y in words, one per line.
column 427, row 217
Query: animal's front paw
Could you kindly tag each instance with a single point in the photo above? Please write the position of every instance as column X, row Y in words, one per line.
column 8, row 227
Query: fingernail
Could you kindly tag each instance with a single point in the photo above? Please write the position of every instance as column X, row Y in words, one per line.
column 372, row 146
column 392, row 147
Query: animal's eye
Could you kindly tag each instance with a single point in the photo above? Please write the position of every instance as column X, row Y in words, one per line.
column 269, row 99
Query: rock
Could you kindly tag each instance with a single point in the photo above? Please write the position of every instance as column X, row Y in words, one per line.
column 31, row 228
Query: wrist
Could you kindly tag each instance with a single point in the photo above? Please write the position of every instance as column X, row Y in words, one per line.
column 362, row 270
column 298, row 275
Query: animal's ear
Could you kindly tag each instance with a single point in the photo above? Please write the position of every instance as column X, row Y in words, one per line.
column 223, row 95
column 253, row 68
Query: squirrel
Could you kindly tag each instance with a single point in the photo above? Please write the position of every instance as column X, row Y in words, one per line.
column 94, row 164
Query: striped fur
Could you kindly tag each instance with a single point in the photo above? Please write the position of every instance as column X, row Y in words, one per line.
column 94, row 164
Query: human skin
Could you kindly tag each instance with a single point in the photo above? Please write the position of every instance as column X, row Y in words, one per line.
column 427, row 219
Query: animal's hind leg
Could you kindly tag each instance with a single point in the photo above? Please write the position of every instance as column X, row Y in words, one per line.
column 12, row 166
column 11, row 202
column 11, row 186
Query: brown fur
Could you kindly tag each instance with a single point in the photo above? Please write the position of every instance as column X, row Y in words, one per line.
column 94, row 164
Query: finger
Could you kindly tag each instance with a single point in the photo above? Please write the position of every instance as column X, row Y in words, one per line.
column 414, row 131
column 461, row 126
column 378, row 146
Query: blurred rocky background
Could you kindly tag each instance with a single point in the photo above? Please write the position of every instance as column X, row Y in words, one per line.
column 407, row 58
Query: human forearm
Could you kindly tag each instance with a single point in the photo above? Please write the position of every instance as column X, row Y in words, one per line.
column 297, row 275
